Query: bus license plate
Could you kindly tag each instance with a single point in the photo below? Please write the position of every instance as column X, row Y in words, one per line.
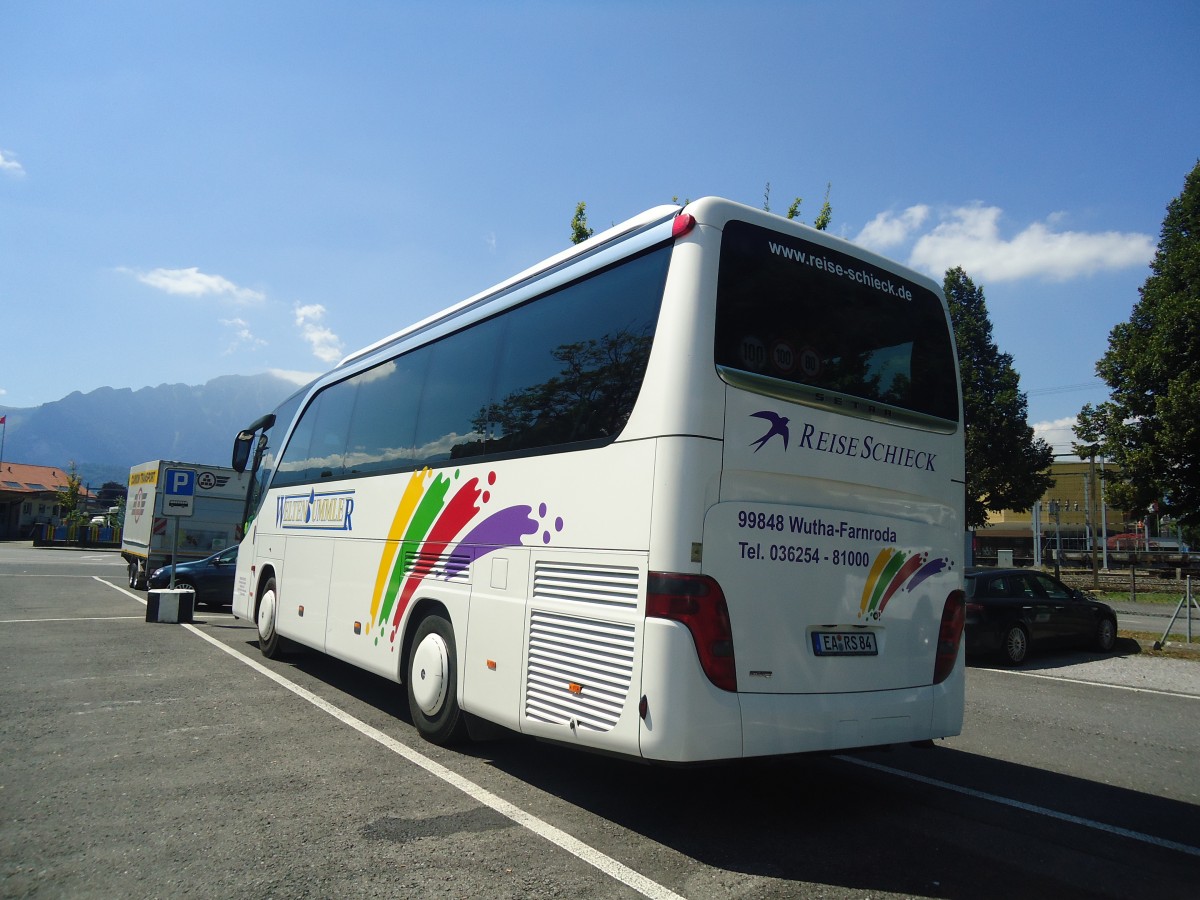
column 844, row 643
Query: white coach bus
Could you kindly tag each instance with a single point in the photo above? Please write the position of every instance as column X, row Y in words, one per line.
column 691, row 490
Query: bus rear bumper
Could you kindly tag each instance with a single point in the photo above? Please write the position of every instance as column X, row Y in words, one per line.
column 774, row 724
column 687, row 719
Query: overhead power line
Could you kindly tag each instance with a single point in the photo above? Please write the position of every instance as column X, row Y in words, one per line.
column 1066, row 388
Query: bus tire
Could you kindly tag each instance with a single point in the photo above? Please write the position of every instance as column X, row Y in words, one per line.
column 432, row 683
column 269, row 641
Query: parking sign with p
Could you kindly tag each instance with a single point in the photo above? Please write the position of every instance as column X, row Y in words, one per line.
column 179, row 491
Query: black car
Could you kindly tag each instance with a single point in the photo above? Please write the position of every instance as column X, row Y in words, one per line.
column 210, row 578
column 1010, row 611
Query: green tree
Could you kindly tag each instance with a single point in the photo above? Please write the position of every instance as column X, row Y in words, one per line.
column 1150, row 425
column 1007, row 466
column 69, row 499
column 579, row 226
column 821, row 222
column 580, row 231
column 110, row 492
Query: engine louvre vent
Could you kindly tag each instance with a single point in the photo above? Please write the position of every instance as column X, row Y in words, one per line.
column 611, row 586
column 579, row 669
column 455, row 566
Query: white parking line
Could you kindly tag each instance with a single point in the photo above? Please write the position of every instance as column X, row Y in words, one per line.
column 48, row 575
column 590, row 855
column 1027, row 807
column 1104, row 684
column 72, row 619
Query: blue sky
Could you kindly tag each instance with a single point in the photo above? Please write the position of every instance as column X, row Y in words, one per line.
column 195, row 189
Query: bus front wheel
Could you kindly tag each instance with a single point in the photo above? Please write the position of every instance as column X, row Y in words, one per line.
column 268, row 638
column 432, row 682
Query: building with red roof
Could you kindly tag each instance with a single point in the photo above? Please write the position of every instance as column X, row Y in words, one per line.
column 29, row 498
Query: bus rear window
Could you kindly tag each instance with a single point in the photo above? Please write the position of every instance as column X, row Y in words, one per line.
column 797, row 316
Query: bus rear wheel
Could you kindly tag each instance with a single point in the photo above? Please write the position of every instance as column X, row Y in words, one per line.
column 432, row 683
column 269, row 641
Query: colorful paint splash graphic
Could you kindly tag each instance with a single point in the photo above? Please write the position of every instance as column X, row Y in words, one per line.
column 437, row 532
column 892, row 570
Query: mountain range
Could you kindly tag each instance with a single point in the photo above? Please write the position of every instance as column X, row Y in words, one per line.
column 108, row 430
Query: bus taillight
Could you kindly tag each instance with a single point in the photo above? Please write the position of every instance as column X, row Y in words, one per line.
column 698, row 602
column 949, row 636
column 684, row 222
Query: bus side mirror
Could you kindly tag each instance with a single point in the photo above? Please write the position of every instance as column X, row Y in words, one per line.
column 241, row 450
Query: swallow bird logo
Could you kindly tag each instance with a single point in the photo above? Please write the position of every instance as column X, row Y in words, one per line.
column 779, row 426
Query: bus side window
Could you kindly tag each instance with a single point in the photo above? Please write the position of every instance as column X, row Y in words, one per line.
column 293, row 462
column 318, row 444
column 458, row 383
column 573, row 361
column 385, row 415
column 327, row 452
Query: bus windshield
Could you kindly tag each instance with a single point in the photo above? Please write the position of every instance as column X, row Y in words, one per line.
column 800, row 315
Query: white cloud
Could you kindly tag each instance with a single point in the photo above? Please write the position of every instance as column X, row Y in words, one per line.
column 1058, row 433
column 295, row 377
column 242, row 336
column 192, row 282
column 326, row 346
column 887, row 230
column 970, row 237
column 10, row 166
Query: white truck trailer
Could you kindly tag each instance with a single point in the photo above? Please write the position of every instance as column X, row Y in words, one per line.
column 150, row 532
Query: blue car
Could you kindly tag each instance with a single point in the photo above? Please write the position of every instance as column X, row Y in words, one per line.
column 210, row 578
